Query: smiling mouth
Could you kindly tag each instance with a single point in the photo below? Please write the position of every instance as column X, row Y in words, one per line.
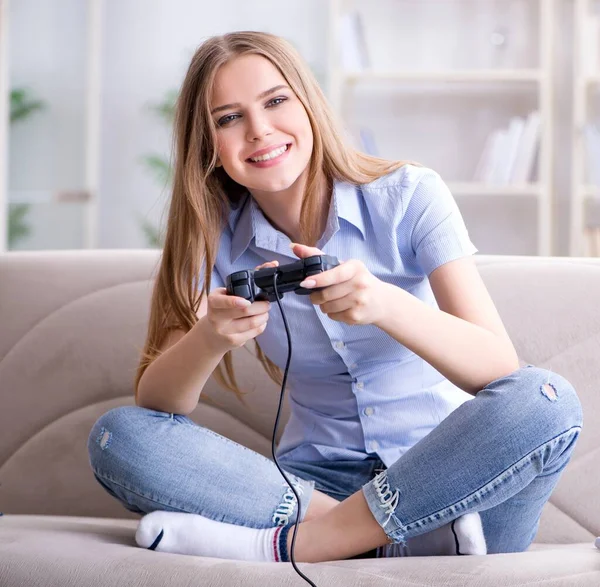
column 276, row 153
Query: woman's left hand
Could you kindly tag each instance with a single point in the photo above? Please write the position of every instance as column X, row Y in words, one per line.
column 352, row 293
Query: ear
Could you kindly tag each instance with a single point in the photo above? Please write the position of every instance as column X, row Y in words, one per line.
column 218, row 163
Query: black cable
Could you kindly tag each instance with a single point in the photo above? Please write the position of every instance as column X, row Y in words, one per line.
column 287, row 365
column 456, row 538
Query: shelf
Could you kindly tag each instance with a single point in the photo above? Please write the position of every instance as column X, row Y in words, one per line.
column 485, row 189
column 591, row 191
column 592, row 80
column 453, row 102
column 69, row 196
column 466, row 75
column 48, row 225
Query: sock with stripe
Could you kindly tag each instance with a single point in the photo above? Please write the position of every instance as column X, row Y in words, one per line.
column 182, row 533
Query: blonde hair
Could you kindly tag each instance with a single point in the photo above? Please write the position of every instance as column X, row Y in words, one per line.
column 203, row 194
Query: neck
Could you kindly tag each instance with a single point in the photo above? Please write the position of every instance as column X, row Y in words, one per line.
column 282, row 209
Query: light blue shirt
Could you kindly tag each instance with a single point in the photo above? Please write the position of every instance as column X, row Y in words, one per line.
column 354, row 390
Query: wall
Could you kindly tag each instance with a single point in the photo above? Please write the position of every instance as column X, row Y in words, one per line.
column 147, row 45
column 147, row 50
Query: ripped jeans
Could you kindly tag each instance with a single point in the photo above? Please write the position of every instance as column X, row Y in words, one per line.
column 500, row 454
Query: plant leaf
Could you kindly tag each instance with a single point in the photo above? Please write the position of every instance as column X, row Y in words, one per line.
column 159, row 166
column 17, row 227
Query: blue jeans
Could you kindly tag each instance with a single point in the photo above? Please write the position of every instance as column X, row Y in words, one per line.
column 500, row 454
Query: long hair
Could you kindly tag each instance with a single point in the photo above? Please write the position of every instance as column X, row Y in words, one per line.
column 203, row 194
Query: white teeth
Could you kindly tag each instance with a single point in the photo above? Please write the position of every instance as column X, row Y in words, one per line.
column 274, row 153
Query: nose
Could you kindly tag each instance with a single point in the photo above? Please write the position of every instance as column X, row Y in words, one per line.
column 258, row 126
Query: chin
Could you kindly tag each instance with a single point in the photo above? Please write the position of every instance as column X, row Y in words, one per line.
column 275, row 185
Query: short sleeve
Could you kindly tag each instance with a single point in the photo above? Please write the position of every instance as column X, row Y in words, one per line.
column 431, row 216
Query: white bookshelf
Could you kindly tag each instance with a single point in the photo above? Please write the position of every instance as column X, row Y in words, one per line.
column 481, row 75
column 586, row 89
column 472, row 188
column 73, row 214
column 93, row 121
column 4, row 118
column 342, row 85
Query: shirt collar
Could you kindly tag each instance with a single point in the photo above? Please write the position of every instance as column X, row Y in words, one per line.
column 248, row 222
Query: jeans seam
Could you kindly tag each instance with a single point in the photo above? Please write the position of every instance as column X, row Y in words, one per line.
column 234, row 443
column 111, row 479
column 106, row 477
column 176, row 505
column 477, row 493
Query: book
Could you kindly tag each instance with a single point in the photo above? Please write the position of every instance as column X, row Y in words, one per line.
column 522, row 171
column 509, row 154
column 591, row 136
column 514, row 135
column 367, row 141
column 483, row 171
column 592, row 39
column 353, row 46
column 499, row 153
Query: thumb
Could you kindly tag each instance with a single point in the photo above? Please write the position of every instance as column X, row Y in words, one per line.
column 303, row 251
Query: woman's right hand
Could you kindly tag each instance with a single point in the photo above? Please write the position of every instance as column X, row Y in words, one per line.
column 234, row 320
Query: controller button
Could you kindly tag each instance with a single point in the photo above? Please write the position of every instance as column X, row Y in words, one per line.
column 312, row 261
column 243, row 291
column 239, row 276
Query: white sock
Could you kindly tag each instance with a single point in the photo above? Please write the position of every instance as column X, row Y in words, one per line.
column 182, row 533
column 442, row 541
column 194, row 534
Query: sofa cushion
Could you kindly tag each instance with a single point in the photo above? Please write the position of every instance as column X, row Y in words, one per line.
column 73, row 323
column 88, row 552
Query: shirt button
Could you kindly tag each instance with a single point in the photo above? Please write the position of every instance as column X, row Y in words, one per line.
column 369, row 411
column 374, row 445
column 339, row 344
column 360, row 385
column 353, row 366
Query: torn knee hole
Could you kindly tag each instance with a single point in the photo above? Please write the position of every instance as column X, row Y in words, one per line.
column 549, row 391
column 104, row 438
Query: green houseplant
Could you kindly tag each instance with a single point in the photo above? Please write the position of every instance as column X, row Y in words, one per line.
column 22, row 105
column 159, row 165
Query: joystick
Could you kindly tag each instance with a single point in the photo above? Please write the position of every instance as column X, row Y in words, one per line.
column 257, row 285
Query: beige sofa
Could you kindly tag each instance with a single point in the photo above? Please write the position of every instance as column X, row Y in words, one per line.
column 71, row 327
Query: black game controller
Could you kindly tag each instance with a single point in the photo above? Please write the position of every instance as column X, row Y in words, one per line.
column 257, row 285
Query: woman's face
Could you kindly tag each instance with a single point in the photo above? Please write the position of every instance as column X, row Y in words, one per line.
column 264, row 137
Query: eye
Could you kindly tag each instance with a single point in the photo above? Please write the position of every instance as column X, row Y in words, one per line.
column 226, row 119
column 277, row 101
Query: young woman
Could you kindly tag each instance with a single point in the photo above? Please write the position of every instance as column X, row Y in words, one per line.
column 411, row 422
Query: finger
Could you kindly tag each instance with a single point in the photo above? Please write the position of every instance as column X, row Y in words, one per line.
column 219, row 299
column 254, row 309
column 268, row 264
column 338, row 305
column 331, row 293
column 247, row 323
column 303, row 251
column 338, row 274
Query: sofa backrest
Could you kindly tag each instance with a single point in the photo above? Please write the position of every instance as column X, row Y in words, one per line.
column 72, row 325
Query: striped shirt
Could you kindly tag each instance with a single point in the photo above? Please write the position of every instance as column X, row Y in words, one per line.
column 355, row 391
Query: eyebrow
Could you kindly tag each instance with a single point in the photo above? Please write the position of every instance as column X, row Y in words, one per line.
column 259, row 97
